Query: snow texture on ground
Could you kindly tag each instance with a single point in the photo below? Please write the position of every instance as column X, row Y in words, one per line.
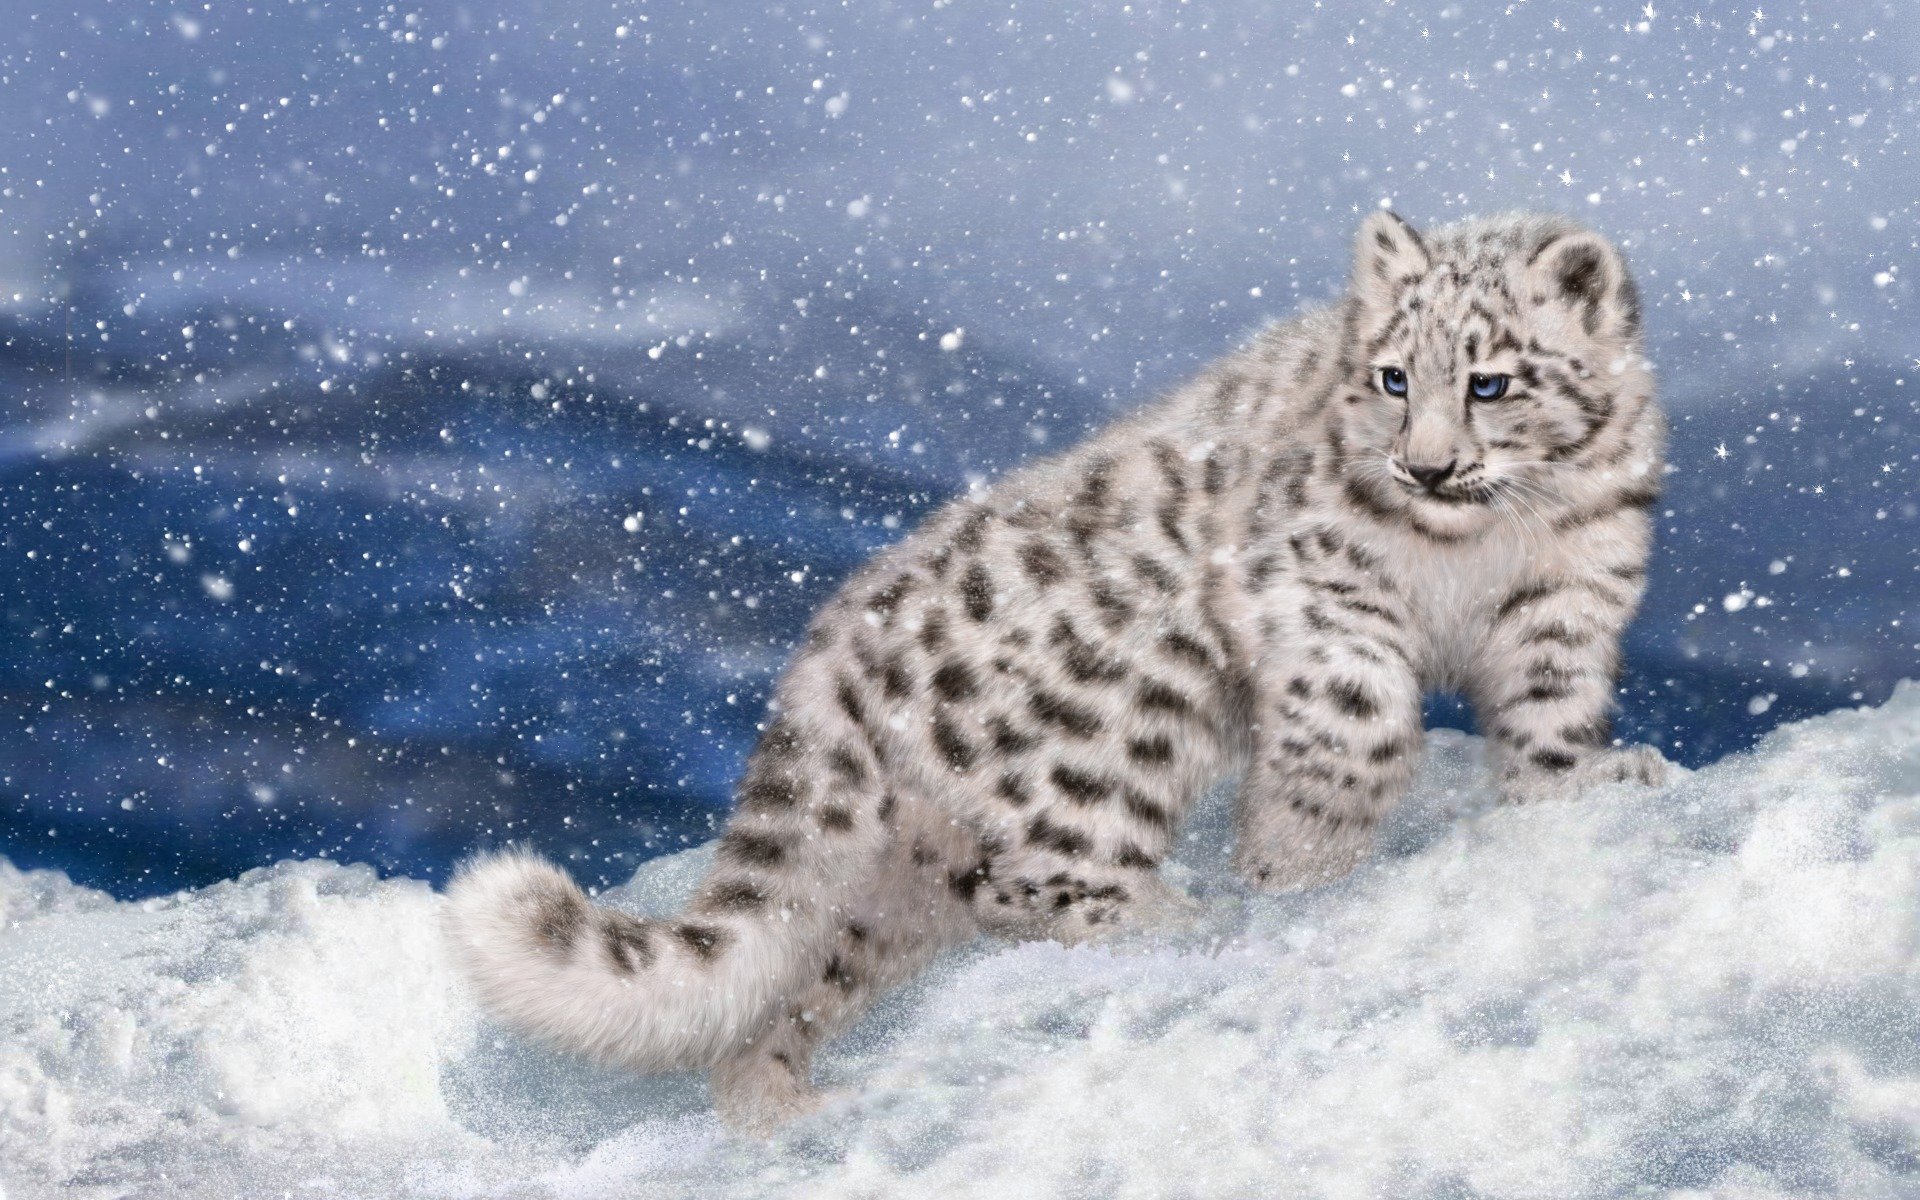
column 1710, row 989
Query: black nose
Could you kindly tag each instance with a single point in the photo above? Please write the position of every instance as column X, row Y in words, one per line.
column 1430, row 477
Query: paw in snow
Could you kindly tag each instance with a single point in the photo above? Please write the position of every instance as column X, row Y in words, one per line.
column 758, row 1093
column 1316, row 854
column 1629, row 764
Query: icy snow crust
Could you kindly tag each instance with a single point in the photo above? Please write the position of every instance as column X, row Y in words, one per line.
column 1709, row 987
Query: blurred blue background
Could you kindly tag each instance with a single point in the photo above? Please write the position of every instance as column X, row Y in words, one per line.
column 422, row 426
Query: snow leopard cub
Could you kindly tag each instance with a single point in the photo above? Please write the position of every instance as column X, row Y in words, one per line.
column 1442, row 481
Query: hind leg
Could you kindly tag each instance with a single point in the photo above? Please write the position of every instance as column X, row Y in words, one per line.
column 1080, row 873
column 769, row 1083
column 761, row 1089
column 1071, row 903
column 908, row 913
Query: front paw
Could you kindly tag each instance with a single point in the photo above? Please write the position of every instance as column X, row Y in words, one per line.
column 1628, row 764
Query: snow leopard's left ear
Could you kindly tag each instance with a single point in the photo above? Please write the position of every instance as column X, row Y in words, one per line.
column 1581, row 270
column 1386, row 254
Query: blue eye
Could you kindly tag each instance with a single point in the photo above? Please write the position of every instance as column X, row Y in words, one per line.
column 1393, row 381
column 1487, row 387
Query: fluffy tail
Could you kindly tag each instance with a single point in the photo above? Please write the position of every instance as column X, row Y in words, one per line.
column 652, row 995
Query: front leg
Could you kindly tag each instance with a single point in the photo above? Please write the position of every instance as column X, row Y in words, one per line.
column 1335, row 739
column 1543, row 688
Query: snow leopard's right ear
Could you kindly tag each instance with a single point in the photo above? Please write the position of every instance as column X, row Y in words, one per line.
column 1386, row 254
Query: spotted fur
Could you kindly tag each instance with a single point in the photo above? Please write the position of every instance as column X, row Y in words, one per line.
column 999, row 723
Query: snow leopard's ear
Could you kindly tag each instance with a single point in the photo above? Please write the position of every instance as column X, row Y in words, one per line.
column 1386, row 253
column 1582, row 271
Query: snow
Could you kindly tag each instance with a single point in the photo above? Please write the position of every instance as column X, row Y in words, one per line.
column 1712, row 988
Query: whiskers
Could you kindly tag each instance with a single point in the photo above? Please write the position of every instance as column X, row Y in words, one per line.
column 1517, row 496
column 1540, row 463
column 1370, row 464
column 1520, row 501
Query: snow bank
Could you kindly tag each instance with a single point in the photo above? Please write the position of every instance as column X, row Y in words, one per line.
column 1712, row 988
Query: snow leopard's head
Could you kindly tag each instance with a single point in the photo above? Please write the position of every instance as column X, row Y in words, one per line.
column 1494, row 366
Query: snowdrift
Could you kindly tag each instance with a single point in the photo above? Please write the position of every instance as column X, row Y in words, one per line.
column 1710, row 988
